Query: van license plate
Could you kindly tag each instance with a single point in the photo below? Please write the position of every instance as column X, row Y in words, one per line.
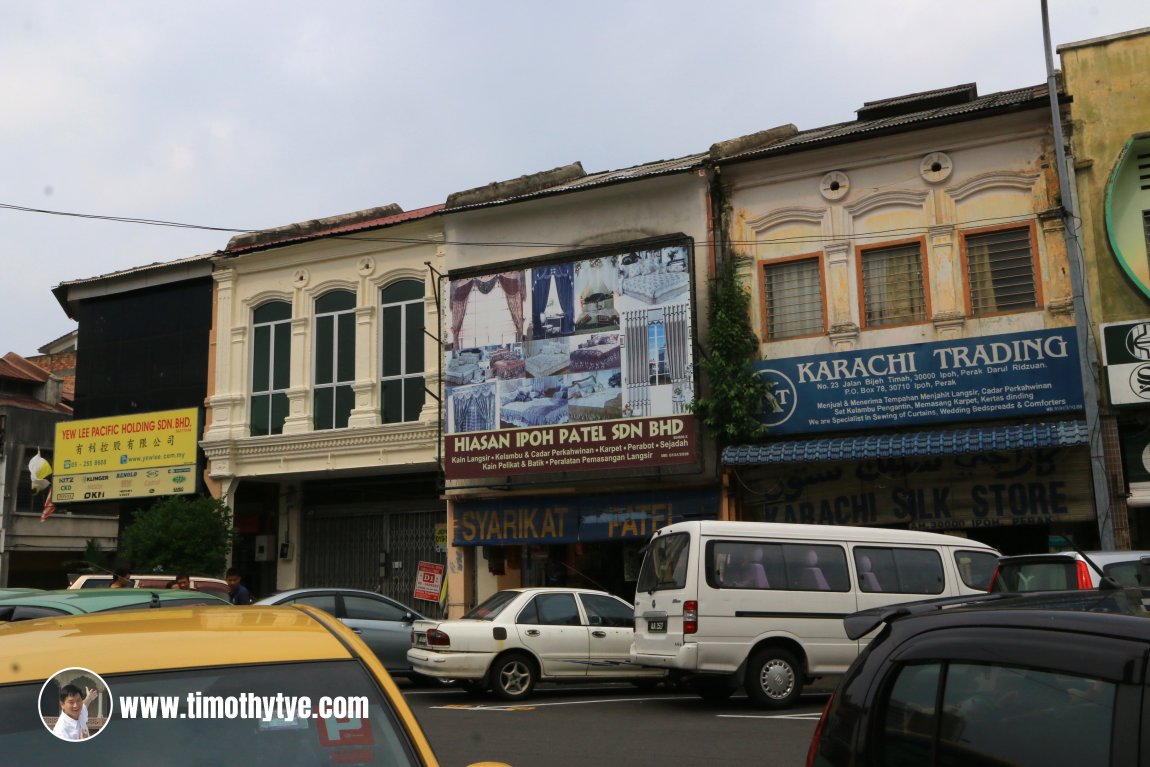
column 657, row 627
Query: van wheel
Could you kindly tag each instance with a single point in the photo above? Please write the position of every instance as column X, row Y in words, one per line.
column 774, row 678
column 513, row 676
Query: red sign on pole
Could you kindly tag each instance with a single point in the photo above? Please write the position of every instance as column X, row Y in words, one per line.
column 428, row 581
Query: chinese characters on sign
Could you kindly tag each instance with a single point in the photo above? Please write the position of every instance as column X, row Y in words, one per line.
column 126, row 456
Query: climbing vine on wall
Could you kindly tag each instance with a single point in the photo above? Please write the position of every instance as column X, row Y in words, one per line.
column 734, row 398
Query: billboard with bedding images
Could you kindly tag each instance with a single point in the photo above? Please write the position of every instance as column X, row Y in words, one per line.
column 571, row 364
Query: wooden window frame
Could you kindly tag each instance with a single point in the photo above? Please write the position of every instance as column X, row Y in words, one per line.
column 1035, row 268
column 924, row 260
column 764, row 313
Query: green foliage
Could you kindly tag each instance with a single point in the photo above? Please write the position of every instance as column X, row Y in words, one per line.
column 735, row 398
column 180, row 534
column 95, row 554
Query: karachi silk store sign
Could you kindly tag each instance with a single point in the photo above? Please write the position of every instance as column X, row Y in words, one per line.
column 579, row 363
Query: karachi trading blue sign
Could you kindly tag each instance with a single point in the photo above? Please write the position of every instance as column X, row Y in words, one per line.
column 1002, row 376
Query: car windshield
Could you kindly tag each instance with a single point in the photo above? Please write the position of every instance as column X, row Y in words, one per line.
column 207, row 716
column 665, row 566
column 492, row 606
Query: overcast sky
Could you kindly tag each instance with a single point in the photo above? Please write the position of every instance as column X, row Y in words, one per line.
column 258, row 113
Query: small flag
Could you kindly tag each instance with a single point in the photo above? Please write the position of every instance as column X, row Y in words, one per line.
column 40, row 470
column 49, row 507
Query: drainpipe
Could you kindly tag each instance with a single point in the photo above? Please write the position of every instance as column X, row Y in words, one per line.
column 1086, row 350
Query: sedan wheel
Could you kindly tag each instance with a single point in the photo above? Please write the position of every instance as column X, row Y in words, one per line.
column 513, row 676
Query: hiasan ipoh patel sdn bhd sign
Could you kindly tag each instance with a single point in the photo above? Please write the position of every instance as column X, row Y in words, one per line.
column 581, row 362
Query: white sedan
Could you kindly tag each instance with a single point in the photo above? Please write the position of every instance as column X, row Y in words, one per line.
column 519, row 637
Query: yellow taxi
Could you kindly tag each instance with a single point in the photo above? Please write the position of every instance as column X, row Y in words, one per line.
column 200, row 685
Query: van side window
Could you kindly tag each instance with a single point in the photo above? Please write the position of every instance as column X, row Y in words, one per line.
column 898, row 571
column 816, row 568
column 734, row 565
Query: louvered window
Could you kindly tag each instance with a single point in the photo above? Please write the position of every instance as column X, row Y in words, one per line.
column 794, row 299
column 1000, row 271
column 893, row 291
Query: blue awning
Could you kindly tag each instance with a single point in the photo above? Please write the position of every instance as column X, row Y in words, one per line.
column 982, row 439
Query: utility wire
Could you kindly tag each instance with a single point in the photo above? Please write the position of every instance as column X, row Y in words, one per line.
column 878, row 235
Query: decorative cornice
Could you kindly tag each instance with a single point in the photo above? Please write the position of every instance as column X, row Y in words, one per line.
column 790, row 215
column 374, row 442
column 889, row 198
column 1002, row 179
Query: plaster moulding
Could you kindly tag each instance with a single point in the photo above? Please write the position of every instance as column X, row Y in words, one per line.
column 300, row 278
column 936, row 167
column 889, row 198
column 834, row 185
column 1002, row 179
column 783, row 216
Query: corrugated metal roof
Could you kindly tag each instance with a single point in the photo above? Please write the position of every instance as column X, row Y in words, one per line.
column 15, row 367
column 30, row 403
column 138, row 270
column 605, row 178
column 911, row 444
column 359, row 226
column 826, row 134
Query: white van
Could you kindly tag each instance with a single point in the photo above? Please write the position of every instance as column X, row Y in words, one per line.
column 761, row 604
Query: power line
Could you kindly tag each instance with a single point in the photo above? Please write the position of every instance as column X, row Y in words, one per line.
column 877, row 235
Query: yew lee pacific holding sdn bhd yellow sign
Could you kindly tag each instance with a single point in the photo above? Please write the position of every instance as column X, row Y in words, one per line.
column 126, row 456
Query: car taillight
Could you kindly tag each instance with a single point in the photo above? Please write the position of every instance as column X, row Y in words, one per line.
column 813, row 750
column 690, row 617
column 993, row 580
column 1084, row 579
column 436, row 638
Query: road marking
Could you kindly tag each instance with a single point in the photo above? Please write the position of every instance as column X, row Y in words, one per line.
column 483, row 707
column 812, row 717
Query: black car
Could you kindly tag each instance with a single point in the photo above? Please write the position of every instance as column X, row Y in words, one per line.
column 1052, row 678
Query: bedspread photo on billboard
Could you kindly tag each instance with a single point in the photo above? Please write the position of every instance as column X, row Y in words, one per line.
column 571, row 364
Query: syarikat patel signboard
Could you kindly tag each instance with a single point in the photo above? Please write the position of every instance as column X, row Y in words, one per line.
column 627, row 444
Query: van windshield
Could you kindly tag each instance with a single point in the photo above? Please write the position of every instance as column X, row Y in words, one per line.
column 665, row 566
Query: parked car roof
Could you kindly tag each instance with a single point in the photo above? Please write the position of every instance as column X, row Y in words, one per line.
column 985, row 679
column 79, row 601
column 263, row 635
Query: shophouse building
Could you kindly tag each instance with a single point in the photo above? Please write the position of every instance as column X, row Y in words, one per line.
column 32, row 402
column 324, row 429
column 915, row 310
column 1109, row 137
column 572, row 306
column 141, row 371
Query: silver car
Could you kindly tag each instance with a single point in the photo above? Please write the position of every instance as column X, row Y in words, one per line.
column 382, row 623
column 1063, row 570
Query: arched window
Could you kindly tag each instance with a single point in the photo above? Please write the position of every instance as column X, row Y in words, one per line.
column 271, row 366
column 401, row 390
column 332, row 394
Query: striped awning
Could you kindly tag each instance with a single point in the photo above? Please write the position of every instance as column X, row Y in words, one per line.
column 981, row 439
